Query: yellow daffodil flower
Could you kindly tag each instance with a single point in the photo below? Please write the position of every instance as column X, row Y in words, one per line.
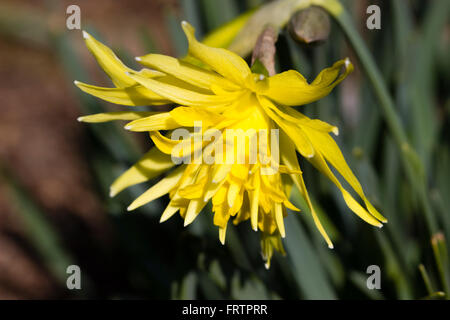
column 222, row 95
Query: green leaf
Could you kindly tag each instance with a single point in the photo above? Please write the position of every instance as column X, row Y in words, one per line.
column 40, row 232
column 308, row 271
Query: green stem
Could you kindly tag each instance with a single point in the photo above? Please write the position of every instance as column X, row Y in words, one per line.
column 411, row 162
column 440, row 255
column 426, row 279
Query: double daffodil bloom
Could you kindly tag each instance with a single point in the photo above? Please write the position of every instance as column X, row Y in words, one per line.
column 221, row 91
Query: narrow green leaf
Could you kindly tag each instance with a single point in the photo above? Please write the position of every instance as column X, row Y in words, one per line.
column 39, row 230
column 312, row 279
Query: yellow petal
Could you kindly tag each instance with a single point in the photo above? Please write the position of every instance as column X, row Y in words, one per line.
column 111, row 116
column 302, row 120
column 152, row 164
column 168, row 212
column 279, row 219
column 159, row 189
column 298, row 137
column 220, row 172
column 255, row 203
column 154, row 122
column 291, row 88
column 225, row 62
column 237, row 203
column 268, row 243
column 109, row 62
column 221, row 214
column 180, row 95
column 184, row 71
column 239, row 172
column 196, row 190
column 135, row 95
column 222, row 234
column 187, row 116
column 287, row 185
column 267, row 222
column 193, row 191
column 164, row 144
column 272, row 189
column 319, row 162
column 330, row 150
column 285, row 169
column 222, row 36
column 194, row 208
column 290, row 206
column 233, row 192
column 188, row 178
column 184, row 148
column 220, row 196
column 244, row 212
column 289, row 158
column 211, row 190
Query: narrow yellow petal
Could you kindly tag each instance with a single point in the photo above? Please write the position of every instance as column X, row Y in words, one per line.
column 272, row 189
column 289, row 158
column 152, row 164
column 233, row 192
column 244, row 213
column 187, row 116
column 109, row 62
column 159, row 189
column 154, row 122
column 164, row 144
column 237, row 204
column 182, row 96
column 193, row 191
column 330, row 150
column 359, row 210
column 220, row 172
column 255, row 203
column 135, row 95
column 211, row 190
column 302, row 120
column 168, row 212
column 239, row 172
column 185, row 71
column 319, row 162
column 220, row 196
column 285, row 169
column 188, row 178
column 222, row 234
column 186, row 147
column 225, row 62
column 196, row 189
column 194, row 208
column 111, row 116
column 291, row 88
column 279, row 219
column 290, row 206
column 374, row 211
column 221, row 214
column 296, row 133
column 287, row 185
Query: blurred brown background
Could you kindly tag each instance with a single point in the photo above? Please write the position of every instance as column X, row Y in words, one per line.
column 40, row 139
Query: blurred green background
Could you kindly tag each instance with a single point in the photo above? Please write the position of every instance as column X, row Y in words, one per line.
column 55, row 172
